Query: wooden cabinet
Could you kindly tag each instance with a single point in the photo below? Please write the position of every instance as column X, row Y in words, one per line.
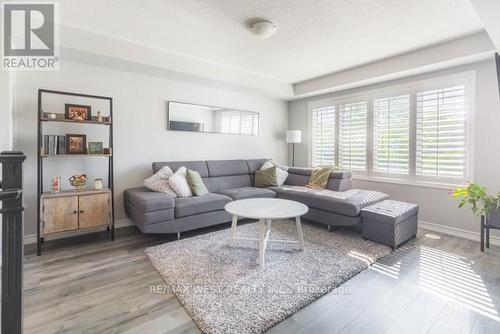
column 94, row 210
column 60, row 214
column 69, row 211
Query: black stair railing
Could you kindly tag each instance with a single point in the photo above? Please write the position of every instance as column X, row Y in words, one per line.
column 11, row 197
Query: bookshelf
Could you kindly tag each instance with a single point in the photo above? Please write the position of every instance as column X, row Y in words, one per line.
column 73, row 210
column 60, row 118
column 73, row 155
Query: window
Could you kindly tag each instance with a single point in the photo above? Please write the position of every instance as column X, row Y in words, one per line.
column 417, row 132
column 441, row 133
column 238, row 122
column 323, row 136
column 391, row 149
column 352, row 136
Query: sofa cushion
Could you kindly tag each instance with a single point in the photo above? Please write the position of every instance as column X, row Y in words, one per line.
column 227, row 167
column 146, row 200
column 216, row 184
column 281, row 171
column 200, row 204
column 196, row 183
column 180, row 184
column 199, row 166
column 248, row 192
column 319, row 177
column 347, row 203
column 266, row 178
column 159, row 181
column 255, row 164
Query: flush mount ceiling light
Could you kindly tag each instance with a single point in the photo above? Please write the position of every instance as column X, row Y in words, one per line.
column 262, row 29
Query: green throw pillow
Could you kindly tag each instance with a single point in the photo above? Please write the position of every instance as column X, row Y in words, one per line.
column 196, row 183
column 266, row 178
column 319, row 177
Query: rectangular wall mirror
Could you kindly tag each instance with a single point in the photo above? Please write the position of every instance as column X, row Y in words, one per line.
column 198, row 118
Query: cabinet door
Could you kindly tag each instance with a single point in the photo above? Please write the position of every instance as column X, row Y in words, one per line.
column 94, row 210
column 60, row 214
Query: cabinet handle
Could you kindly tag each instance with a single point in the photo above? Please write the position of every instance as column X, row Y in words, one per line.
column 75, row 211
column 81, row 211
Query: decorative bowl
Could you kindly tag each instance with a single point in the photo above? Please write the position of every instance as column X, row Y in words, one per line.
column 78, row 181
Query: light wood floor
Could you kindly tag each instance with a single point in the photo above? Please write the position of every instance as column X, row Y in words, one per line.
column 427, row 286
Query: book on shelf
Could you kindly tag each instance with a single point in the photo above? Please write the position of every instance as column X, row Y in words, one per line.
column 53, row 145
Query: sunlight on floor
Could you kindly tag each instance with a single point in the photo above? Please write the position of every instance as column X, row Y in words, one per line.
column 432, row 236
column 451, row 277
column 446, row 275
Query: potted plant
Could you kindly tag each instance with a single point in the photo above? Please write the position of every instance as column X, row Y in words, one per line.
column 482, row 205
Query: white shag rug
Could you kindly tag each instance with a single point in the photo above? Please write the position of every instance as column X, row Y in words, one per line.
column 225, row 291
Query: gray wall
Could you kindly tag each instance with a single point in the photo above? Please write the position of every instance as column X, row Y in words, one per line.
column 436, row 205
column 139, row 125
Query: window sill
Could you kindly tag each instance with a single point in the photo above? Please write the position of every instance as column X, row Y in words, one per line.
column 422, row 184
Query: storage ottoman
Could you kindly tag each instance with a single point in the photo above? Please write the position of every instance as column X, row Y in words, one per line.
column 390, row 222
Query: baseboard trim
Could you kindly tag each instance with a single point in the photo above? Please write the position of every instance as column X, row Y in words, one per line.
column 456, row 232
column 447, row 230
column 30, row 239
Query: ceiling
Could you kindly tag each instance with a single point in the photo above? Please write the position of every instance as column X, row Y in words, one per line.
column 314, row 37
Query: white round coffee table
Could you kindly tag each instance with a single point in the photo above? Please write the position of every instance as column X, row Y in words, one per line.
column 266, row 209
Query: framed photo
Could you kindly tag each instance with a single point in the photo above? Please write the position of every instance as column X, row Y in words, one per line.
column 76, row 144
column 95, row 147
column 77, row 112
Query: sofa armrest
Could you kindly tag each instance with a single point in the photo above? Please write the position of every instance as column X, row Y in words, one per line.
column 146, row 200
column 337, row 174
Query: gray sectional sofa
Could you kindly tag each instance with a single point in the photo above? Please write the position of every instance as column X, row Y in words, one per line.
column 228, row 180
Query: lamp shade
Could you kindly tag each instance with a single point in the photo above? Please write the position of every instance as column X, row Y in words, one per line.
column 294, row 136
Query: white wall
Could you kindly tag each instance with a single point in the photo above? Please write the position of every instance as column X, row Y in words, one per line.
column 7, row 80
column 436, row 206
column 5, row 103
column 139, row 124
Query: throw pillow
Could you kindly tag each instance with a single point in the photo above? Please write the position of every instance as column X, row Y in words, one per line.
column 266, row 178
column 196, row 183
column 159, row 181
column 319, row 177
column 179, row 183
column 281, row 173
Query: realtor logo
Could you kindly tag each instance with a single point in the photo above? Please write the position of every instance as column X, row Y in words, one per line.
column 30, row 37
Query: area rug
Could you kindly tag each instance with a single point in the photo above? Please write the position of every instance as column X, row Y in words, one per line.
column 225, row 291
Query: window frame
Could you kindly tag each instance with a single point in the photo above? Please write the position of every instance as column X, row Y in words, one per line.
column 468, row 79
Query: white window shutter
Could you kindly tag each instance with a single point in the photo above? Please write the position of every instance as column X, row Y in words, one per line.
column 442, row 133
column 391, row 145
column 352, row 136
column 323, row 136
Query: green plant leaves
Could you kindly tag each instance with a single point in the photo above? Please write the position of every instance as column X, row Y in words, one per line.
column 477, row 198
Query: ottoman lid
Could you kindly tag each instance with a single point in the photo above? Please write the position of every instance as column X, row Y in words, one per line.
column 389, row 211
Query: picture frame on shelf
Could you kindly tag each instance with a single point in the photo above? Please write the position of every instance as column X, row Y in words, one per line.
column 95, row 148
column 77, row 112
column 76, row 144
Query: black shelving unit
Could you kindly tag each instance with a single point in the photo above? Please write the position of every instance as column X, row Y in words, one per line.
column 41, row 120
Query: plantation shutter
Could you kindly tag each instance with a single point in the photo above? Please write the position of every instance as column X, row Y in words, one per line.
column 352, row 136
column 248, row 124
column 391, row 146
column 323, row 136
column 441, row 133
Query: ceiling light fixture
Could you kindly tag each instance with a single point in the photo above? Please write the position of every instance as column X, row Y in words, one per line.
column 262, row 29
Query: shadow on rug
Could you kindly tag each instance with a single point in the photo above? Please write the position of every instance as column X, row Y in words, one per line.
column 225, row 291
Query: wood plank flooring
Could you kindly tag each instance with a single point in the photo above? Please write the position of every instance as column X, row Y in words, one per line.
column 427, row 286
